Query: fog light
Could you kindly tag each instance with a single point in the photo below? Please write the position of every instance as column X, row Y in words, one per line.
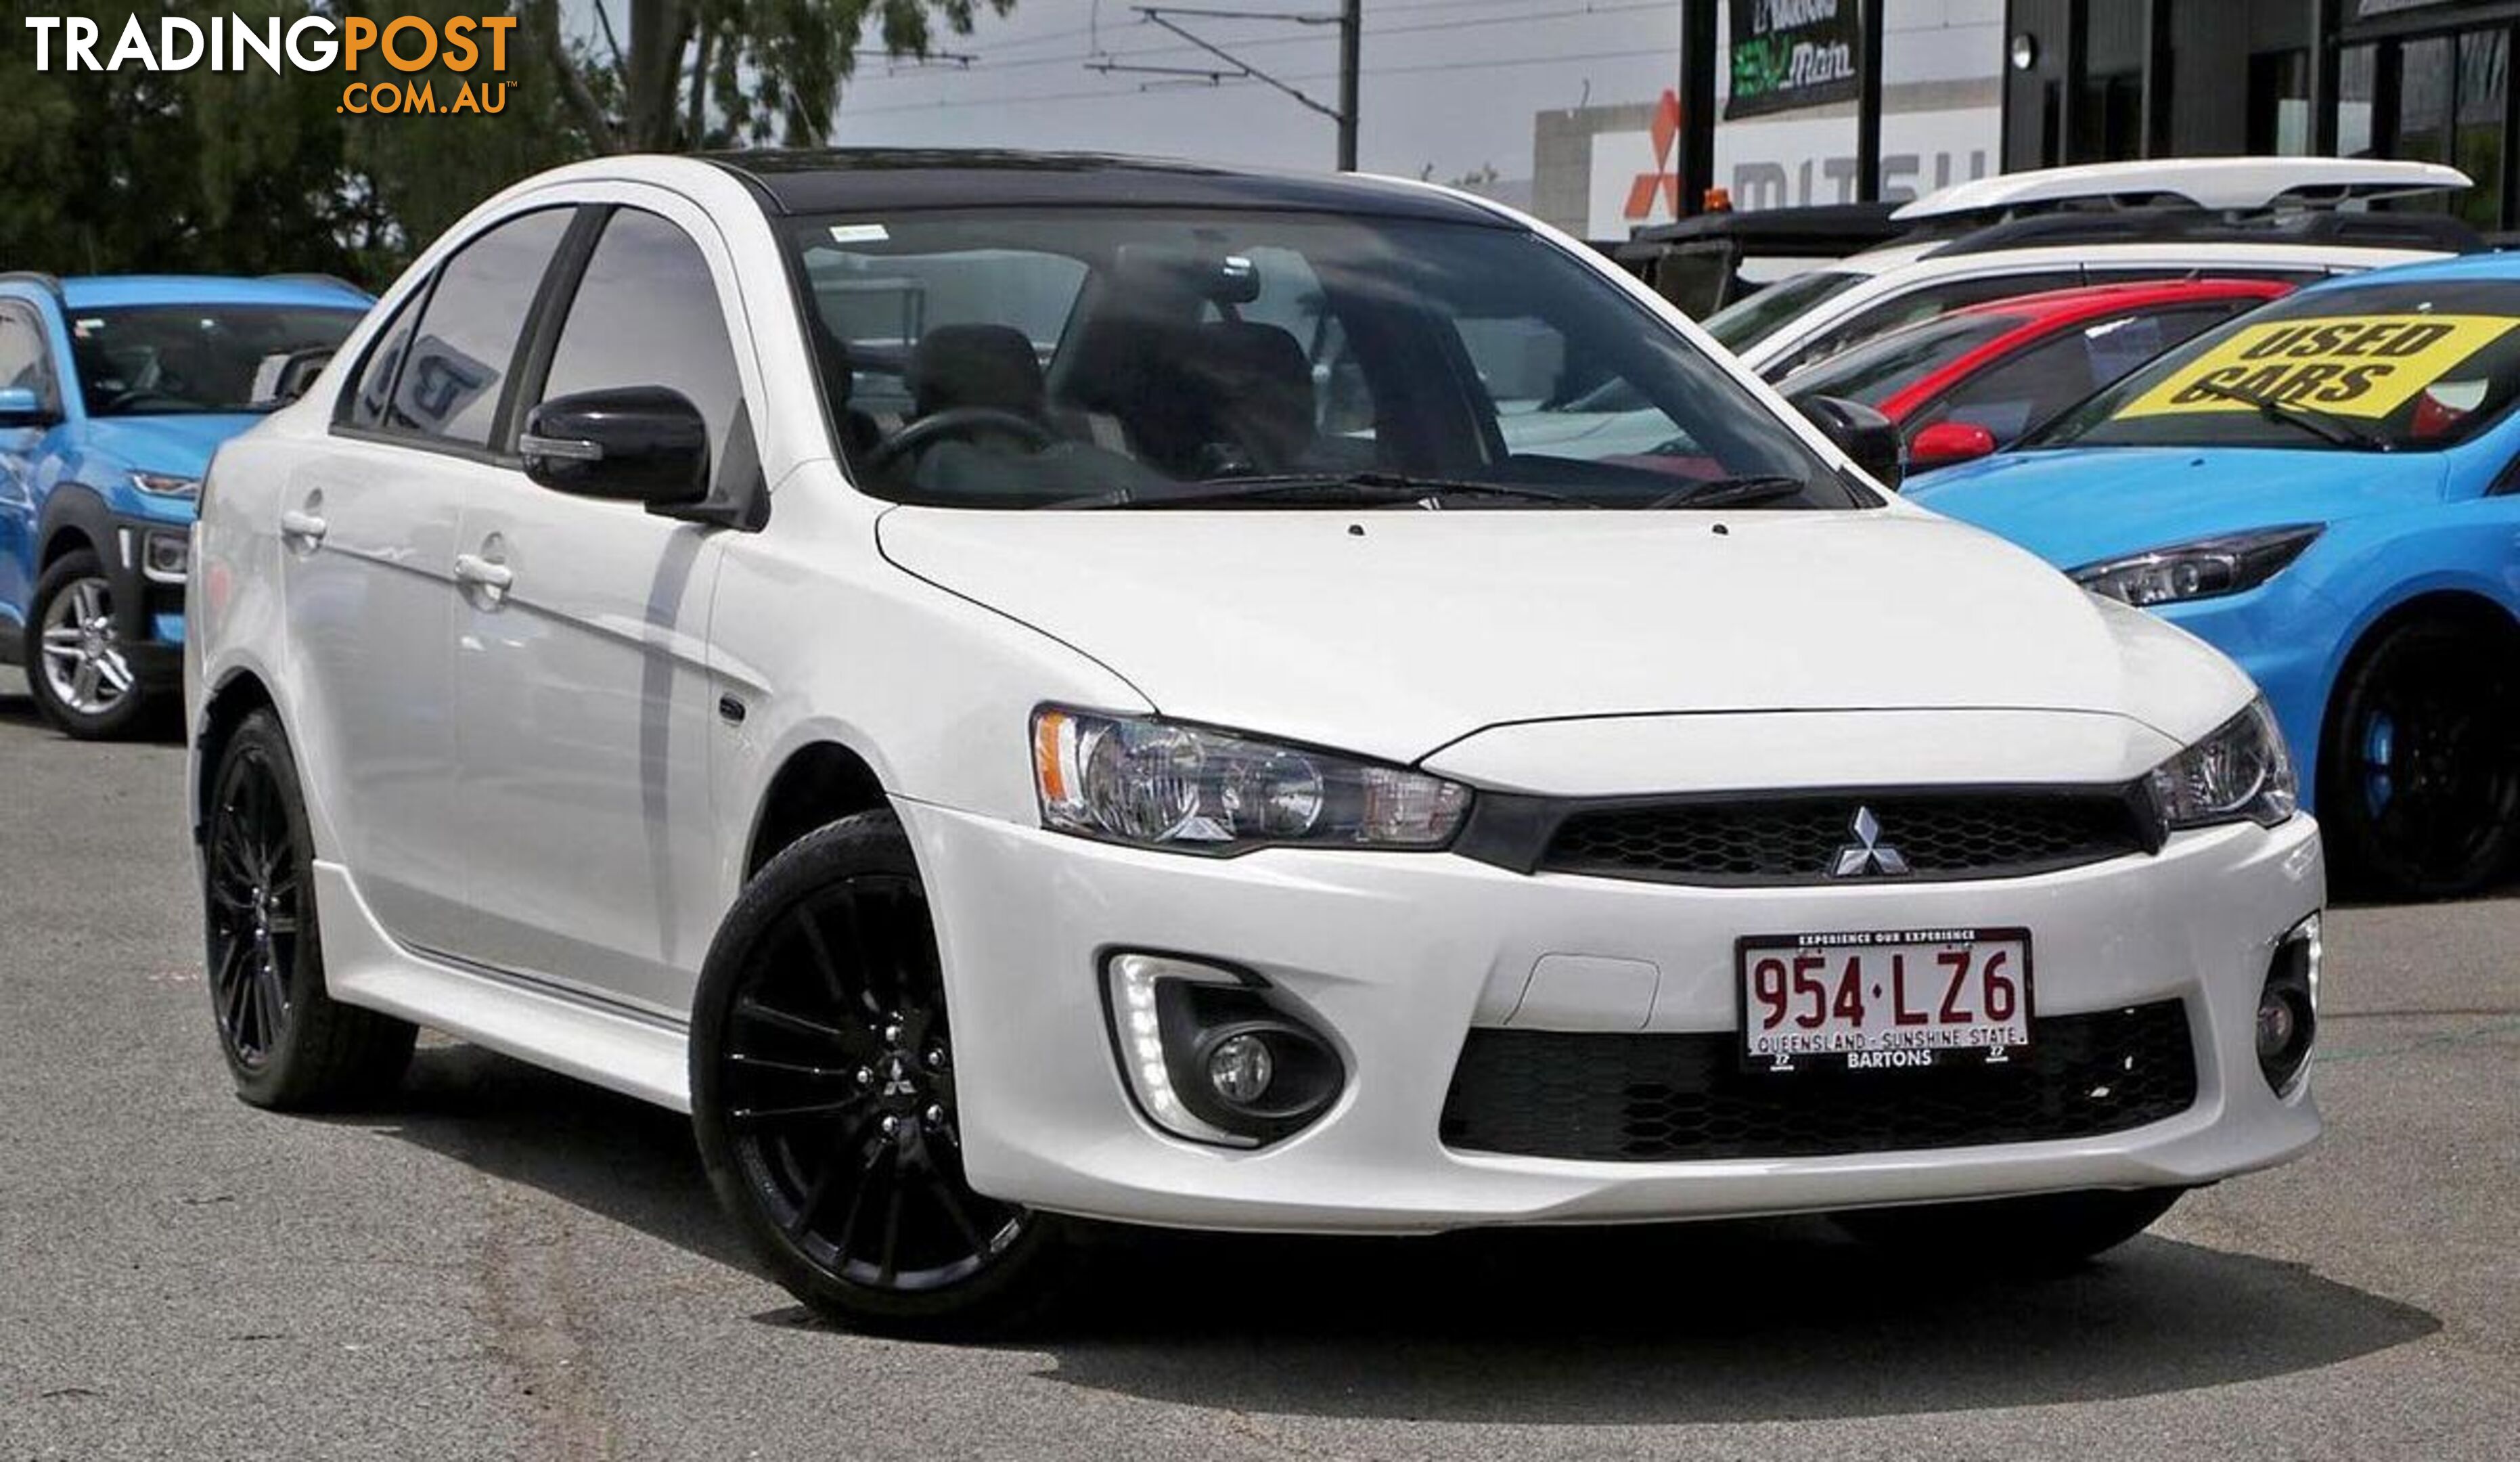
column 1215, row 1054
column 2277, row 1026
column 165, row 555
column 2288, row 1008
column 1240, row 1068
column 1134, row 984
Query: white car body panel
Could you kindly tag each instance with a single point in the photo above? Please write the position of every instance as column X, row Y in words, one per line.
column 605, row 811
column 1422, row 606
column 2243, row 183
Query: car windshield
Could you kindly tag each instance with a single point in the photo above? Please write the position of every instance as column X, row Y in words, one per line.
column 1878, row 369
column 2409, row 365
column 1746, row 322
column 164, row 359
column 1125, row 357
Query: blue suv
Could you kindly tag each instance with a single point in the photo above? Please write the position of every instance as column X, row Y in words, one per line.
column 114, row 393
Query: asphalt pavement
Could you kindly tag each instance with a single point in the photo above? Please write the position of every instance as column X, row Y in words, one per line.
column 501, row 1264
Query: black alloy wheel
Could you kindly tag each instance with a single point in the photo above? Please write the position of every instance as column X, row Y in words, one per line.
column 824, row 1095
column 256, row 903
column 288, row 1043
column 2420, row 790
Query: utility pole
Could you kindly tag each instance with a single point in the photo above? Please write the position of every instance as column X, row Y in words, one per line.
column 1697, row 104
column 1867, row 102
column 1350, row 22
column 1351, row 44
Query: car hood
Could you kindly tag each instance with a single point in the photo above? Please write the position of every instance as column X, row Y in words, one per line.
column 172, row 443
column 2078, row 505
column 1392, row 633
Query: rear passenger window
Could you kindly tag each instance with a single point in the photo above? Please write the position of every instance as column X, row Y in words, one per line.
column 448, row 389
column 647, row 314
column 367, row 404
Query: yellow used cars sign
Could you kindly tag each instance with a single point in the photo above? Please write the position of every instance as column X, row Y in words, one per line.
column 2344, row 365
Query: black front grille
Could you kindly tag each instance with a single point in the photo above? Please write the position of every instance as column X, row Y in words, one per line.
column 1799, row 839
column 1647, row 1098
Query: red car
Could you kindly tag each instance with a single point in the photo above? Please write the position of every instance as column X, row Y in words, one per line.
column 1977, row 380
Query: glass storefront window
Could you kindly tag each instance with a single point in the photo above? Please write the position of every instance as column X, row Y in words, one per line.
column 2484, row 80
column 2424, row 82
column 2357, row 74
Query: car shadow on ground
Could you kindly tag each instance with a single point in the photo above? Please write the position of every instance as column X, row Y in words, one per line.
column 1767, row 1320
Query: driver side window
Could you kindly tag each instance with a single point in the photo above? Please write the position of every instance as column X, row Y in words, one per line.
column 646, row 313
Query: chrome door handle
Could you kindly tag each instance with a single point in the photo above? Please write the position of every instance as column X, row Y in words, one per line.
column 473, row 568
column 305, row 526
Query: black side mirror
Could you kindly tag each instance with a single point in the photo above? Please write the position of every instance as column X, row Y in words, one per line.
column 633, row 443
column 1861, row 433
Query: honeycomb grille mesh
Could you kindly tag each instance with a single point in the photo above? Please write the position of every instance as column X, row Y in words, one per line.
column 1797, row 840
column 1666, row 1098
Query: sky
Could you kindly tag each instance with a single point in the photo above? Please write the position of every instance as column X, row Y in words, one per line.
column 1449, row 84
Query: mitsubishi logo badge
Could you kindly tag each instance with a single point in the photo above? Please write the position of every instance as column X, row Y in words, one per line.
column 1868, row 854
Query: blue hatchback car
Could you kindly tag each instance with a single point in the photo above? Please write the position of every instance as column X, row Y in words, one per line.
column 113, row 393
column 2328, row 490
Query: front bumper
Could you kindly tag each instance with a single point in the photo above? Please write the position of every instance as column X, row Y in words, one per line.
column 149, row 597
column 1400, row 955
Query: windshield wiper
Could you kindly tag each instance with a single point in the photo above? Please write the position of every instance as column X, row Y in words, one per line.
column 1730, row 492
column 2332, row 429
column 1372, row 487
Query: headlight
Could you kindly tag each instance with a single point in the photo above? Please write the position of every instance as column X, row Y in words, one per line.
column 167, row 485
column 2202, row 570
column 1161, row 784
column 2241, row 771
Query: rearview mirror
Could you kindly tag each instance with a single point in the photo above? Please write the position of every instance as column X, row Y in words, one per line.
column 635, row 443
column 1861, row 433
column 23, row 406
column 1945, row 442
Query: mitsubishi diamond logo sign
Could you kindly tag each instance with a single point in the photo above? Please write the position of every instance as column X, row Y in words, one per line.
column 1868, row 856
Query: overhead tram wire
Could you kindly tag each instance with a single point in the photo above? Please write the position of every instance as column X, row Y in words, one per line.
column 1027, row 62
column 1624, row 54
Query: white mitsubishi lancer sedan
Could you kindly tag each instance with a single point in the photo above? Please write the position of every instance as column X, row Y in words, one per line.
column 1023, row 687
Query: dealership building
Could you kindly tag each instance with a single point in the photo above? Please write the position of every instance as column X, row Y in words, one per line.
column 1963, row 88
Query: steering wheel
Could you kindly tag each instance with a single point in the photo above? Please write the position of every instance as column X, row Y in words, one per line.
column 127, row 401
column 957, row 421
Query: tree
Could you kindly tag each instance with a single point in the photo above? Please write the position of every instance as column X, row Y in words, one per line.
column 251, row 171
column 717, row 73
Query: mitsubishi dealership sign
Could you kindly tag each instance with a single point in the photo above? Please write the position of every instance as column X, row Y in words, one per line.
column 1783, row 160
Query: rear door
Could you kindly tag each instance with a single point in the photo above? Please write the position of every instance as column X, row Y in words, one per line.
column 583, row 689
column 368, row 534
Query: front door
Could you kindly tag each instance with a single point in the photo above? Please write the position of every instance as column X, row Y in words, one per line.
column 583, row 690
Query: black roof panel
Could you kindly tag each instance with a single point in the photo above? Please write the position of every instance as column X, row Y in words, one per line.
column 836, row 180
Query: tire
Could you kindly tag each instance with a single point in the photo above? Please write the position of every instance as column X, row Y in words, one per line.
column 288, row 1044
column 2039, row 1234
column 2420, row 778
column 75, row 668
column 822, row 1099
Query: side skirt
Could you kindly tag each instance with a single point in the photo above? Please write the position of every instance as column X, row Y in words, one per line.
column 629, row 1052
